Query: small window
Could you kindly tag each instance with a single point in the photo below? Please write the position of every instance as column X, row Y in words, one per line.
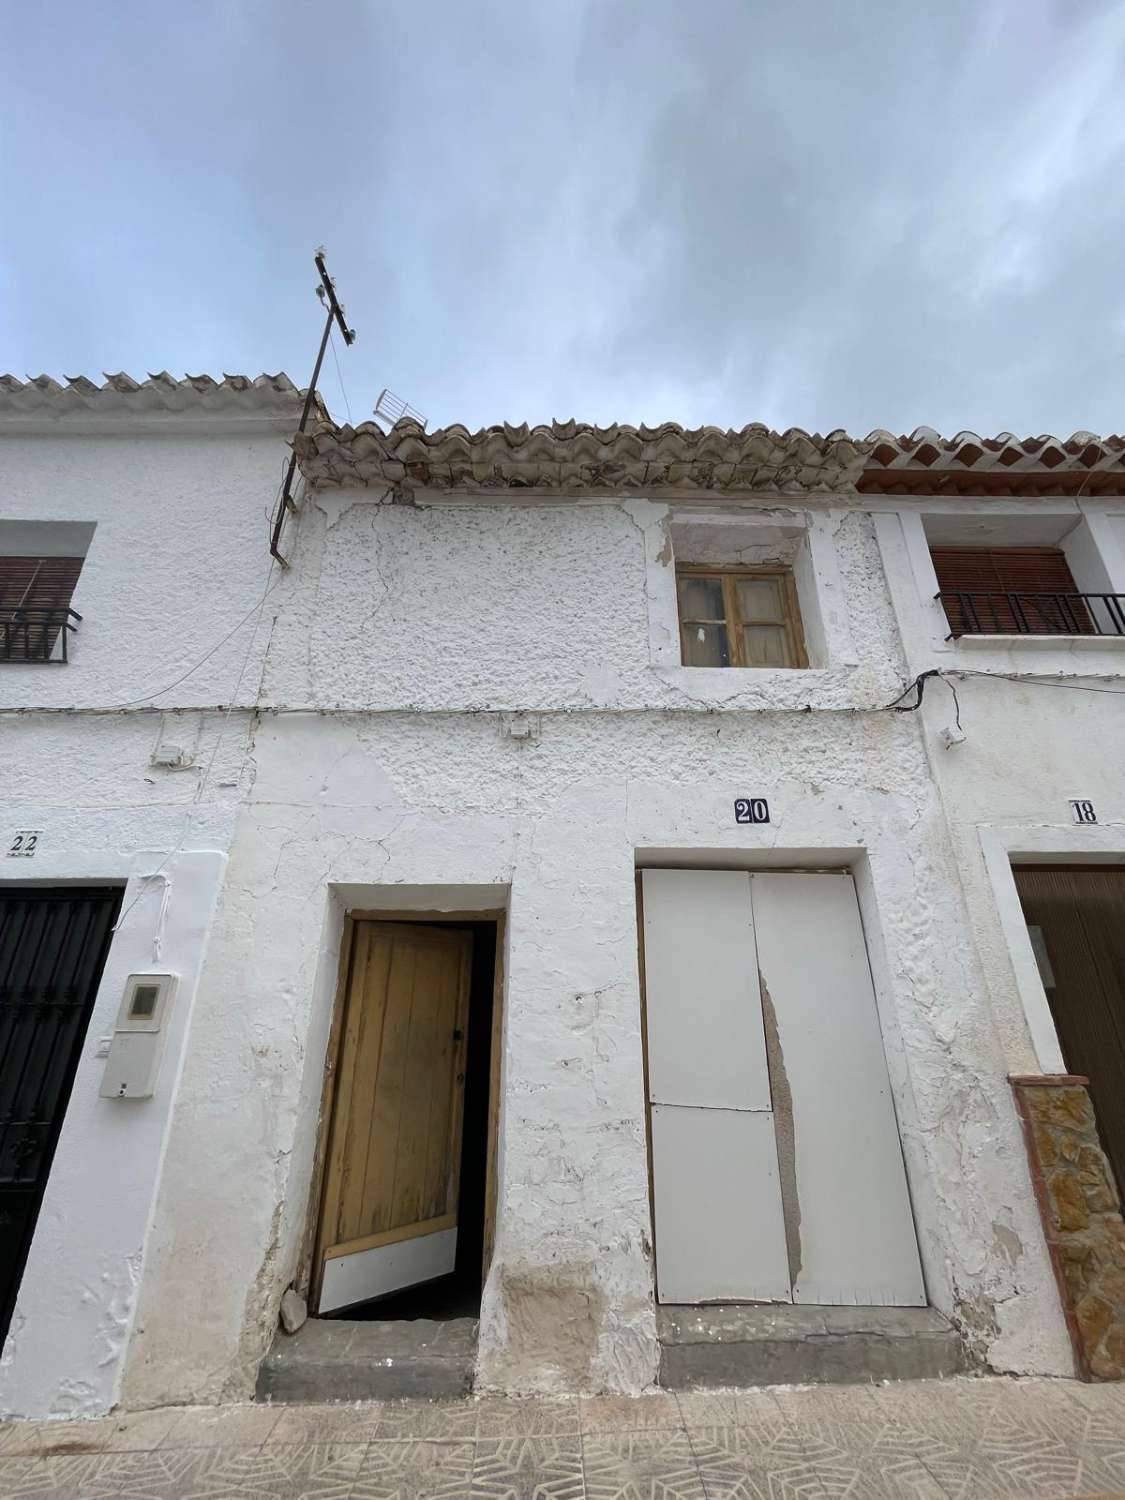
column 739, row 617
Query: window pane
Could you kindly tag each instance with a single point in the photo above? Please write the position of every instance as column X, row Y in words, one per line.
column 767, row 646
column 760, row 599
column 701, row 599
column 705, row 646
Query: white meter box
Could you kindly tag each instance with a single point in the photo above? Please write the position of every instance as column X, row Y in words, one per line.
column 138, row 1037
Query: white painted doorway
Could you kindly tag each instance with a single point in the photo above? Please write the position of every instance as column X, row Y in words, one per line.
column 776, row 1165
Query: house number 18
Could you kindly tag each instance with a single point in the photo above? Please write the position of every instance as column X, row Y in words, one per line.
column 1082, row 811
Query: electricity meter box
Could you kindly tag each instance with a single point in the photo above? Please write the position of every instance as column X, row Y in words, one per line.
column 138, row 1037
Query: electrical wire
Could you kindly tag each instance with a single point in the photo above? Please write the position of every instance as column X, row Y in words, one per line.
column 203, row 780
column 148, row 697
column 919, row 686
column 340, row 377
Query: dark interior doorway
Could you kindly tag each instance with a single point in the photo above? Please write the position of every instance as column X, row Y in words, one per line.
column 1076, row 918
column 53, row 946
column 458, row 1294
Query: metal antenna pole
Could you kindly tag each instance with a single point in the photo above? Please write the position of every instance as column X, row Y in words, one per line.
column 326, row 291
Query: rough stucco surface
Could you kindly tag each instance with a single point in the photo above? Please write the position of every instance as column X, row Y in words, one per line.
column 427, row 626
column 446, row 798
column 179, row 556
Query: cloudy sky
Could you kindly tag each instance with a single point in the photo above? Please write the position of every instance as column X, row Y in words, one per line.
column 830, row 213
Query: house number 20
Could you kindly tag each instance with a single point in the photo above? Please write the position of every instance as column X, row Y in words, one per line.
column 24, row 843
column 751, row 810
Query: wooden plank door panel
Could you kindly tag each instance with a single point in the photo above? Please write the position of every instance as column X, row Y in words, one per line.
column 392, row 1179
column 851, row 1228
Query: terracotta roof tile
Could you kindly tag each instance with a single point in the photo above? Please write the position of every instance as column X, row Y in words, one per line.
column 567, row 458
column 42, row 399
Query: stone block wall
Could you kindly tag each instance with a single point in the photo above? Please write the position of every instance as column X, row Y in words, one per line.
column 1081, row 1212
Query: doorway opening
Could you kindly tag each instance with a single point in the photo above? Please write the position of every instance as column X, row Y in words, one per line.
column 407, row 1177
column 1075, row 916
column 53, row 947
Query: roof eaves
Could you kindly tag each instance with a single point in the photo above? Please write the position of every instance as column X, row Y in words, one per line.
column 575, row 458
column 42, row 404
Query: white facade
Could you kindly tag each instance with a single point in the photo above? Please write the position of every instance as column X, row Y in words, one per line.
column 473, row 700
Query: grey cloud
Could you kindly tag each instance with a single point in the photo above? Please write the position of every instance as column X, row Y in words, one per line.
column 858, row 214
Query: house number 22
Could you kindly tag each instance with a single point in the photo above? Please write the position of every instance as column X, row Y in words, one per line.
column 24, row 843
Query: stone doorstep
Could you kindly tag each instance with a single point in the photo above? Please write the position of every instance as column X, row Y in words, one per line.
column 740, row 1344
column 330, row 1359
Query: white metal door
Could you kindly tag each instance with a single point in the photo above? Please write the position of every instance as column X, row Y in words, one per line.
column 852, row 1238
column 777, row 1170
column 720, row 1233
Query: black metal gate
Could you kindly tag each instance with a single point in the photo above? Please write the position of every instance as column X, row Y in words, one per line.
column 53, row 945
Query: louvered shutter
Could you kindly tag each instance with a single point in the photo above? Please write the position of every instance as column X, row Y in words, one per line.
column 1009, row 585
column 33, row 584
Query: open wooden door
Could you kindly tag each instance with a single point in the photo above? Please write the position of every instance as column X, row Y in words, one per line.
column 389, row 1212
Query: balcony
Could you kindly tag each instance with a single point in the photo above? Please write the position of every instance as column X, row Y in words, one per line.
column 35, row 632
column 1004, row 612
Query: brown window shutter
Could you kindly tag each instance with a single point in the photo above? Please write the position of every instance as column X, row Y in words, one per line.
column 1008, row 581
column 34, row 583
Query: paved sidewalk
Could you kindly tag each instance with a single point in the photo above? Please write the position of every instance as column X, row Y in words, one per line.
column 958, row 1439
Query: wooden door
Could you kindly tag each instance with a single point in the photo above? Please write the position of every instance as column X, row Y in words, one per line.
column 389, row 1213
column 1080, row 914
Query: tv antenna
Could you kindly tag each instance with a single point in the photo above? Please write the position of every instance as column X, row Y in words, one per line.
column 326, row 291
column 394, row 409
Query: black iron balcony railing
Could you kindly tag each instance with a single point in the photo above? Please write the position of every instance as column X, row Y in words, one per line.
column 35, row 632
column 1000, row 612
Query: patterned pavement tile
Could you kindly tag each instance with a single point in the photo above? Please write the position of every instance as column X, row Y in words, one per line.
column 415, row 1471
column 1030, row 1459
column 436, row 1421
column 222, row 1427
column 630, row 1413
column 499, row 1417
column 20, row 1439
column 43, row 1478
column 525, row 1468
column 736, row 1464
column 755, row 1408
column 89, row 1435
column 311, row 1471
column 641, row 1466
column 138, row 1476
column 824, row 1403
column 1103, row 1472
column 706, row 1408
column 342, row 1422
column 141, row 1431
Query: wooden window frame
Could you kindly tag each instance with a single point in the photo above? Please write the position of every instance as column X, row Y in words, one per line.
column 732, row 615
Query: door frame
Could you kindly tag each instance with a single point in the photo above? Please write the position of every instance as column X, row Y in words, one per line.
column 307, row 1279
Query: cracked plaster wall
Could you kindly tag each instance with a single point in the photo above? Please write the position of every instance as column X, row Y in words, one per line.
column 177, row 559
column 455, row 612
column 106, row 817
column 458, row 611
